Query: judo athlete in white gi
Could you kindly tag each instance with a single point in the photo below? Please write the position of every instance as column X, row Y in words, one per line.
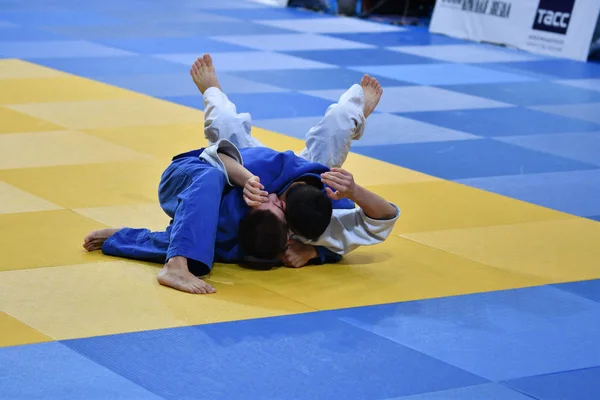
column 327, row 143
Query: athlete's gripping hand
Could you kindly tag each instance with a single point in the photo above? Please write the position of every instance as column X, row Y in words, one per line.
column 254, row 195
column 341, row 181
column 298, row 254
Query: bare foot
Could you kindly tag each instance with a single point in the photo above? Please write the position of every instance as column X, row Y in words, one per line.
column 203, row 73
column 175, row 274
column 96, row 239
column 373, row 92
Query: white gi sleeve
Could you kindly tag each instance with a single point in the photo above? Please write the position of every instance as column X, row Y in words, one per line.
column 352, row 228
column 210, row 155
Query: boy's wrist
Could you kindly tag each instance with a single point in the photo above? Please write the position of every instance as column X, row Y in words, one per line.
column 356, row 194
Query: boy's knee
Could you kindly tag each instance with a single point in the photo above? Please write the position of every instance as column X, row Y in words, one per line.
column 223, row 120
column 228, row 125
column 337, row 110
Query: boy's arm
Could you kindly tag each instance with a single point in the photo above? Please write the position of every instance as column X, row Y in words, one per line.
column 211, row 153
column 369, row 224
column 374, row 206
column 254, row 194
column 352, row 228
column 298, row 255
column 238, row 174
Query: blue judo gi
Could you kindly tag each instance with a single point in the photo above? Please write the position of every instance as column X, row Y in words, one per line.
column 206, row 211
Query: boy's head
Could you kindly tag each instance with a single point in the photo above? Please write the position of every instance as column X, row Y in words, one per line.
column 308, row 211
column 263, row 233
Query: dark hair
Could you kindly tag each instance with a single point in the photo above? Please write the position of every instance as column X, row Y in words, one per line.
column 263, row 235
column 308, row 211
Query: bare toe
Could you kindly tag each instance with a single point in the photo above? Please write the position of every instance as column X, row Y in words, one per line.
column 179, row 277
column 195, row 289
column 209, row 288
column 203, row 73
column 90, row 236
column 94, row 240
column 372, row 95
column 365, row 80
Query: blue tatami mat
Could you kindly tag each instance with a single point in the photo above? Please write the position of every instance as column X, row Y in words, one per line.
column 53, row 371
column 498, row 335
column 572, row 385
column 310, row 356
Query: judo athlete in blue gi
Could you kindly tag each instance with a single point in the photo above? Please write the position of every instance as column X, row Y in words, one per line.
column 205, row 229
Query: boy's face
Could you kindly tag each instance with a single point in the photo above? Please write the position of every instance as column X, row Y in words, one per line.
column 274, row 205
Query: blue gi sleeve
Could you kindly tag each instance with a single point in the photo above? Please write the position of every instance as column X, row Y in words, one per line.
column 326, row 256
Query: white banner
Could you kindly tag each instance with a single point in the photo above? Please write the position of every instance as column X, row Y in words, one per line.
column 560, row 28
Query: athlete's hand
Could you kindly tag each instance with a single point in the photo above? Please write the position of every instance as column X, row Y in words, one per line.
column 254, row 195
column 298, row 254
column 340, row 180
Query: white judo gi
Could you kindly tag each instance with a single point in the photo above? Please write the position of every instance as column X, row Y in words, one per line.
column 327, row 143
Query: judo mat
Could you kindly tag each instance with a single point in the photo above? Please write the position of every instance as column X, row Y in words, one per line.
column 487, row 288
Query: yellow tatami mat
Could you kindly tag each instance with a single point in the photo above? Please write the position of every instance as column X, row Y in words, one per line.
column 78, row 155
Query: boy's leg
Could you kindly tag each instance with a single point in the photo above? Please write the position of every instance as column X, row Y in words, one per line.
column 132, row 243
column 329, row 142
column 144, row 245
column 221, row 120
column 190, row 193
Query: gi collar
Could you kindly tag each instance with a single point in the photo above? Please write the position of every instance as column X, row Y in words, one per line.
column 309, row 178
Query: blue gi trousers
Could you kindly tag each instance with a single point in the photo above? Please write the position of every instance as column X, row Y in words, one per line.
column 190, row 193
